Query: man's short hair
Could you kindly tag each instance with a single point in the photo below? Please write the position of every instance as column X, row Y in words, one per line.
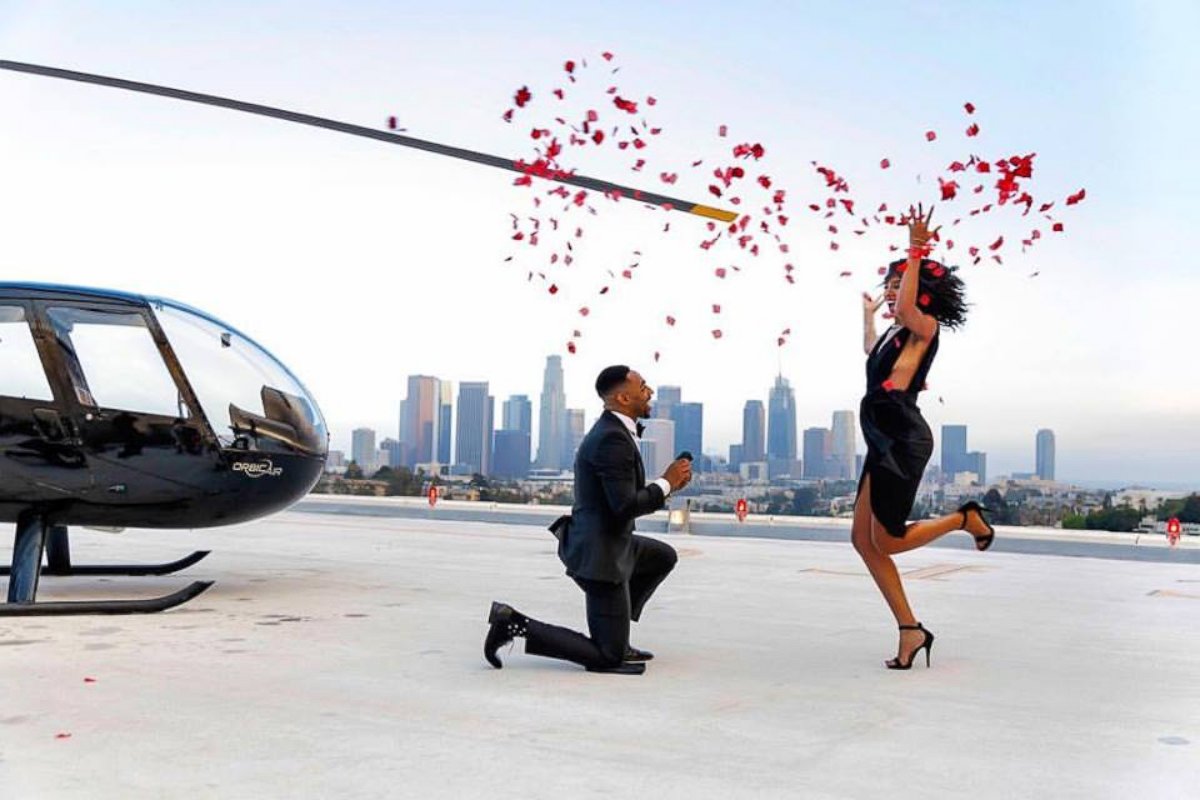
column 610, row 378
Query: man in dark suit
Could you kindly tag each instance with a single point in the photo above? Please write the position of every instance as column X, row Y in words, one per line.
column 617, row 570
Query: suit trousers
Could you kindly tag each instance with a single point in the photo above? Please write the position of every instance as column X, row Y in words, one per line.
column 610, row 607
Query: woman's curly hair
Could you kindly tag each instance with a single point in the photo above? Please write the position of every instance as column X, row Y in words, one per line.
column 941, row 287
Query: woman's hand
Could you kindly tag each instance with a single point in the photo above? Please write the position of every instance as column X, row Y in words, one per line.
column 918, row 226
column 871, row 304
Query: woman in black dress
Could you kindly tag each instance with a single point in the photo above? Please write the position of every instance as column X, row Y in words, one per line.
column 923, row 296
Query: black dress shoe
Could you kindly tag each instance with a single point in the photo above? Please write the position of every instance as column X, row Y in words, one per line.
column 505, row 623
column 621, row 669
column 633, row 654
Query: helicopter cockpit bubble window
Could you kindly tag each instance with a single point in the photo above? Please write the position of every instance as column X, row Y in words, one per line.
column 114, row 362
column 21, row 372
column 245, row 393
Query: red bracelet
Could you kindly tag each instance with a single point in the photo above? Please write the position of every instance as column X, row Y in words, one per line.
column 919, row 251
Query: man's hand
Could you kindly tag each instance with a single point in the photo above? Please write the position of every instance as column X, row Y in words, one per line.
column 679, row 474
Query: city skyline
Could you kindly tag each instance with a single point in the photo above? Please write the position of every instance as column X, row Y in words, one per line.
column 838, row 447
column 336, row 253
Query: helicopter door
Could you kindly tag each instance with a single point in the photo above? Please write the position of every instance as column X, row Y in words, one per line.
column 145, row 442
column 39, row 443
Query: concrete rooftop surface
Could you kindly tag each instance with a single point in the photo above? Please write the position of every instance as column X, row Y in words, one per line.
column 340, row 656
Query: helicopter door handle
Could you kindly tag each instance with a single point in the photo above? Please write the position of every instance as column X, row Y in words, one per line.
column 49, row 424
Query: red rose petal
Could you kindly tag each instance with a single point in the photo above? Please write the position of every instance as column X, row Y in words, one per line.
column 930, row 136
column 717, row 333
column 844, row 275
column 720, row 272
column 888, row 385
column 884, row 164
column 522, row 96
column 607, row 55
column 625, row 105
column 721, row 131
column 1075, row 198
column 969, row 107
column 553, row 288
column 923, row 299
column 716, row 308
column 670, row 320
column 973, row 130
column 571, row 348
column 1057, row 227
column 583, row 312
column 996, row 244
column 656, row 355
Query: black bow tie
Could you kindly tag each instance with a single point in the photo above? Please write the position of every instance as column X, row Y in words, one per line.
column 640, row 429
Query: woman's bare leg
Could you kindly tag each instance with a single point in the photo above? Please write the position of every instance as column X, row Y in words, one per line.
column 867, row 534
column 879, row 564
column 922, row 533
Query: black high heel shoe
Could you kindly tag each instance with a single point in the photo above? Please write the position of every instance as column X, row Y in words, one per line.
column 927, row 646
column 984, row 541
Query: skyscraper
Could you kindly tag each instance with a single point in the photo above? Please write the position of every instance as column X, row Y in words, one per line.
column 662, row 433
column 666, row 398
column 445, row 420
column 573, row 432
column 817, row 448
column 842, row 446
column 954, row 449
column 518, row 414
column 362, row 448
column 551, row 416
column 474, row 436
column 394, row 451
column 956, row 459
column 689, row 430
column 977, row 463
column 781, row 421
column 753, row 431
column 419, row 420
column 511, row 454
column 1045, row 454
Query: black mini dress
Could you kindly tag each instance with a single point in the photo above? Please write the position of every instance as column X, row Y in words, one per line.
column 899, row 442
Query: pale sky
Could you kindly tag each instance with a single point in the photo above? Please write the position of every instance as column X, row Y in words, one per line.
column 358, row 263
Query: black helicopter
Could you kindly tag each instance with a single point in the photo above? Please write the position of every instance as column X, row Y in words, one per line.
column 120, row 410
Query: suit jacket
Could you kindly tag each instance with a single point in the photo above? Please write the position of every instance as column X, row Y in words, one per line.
column 596, row 543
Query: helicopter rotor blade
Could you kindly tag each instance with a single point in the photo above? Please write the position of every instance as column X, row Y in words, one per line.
column 581, row 181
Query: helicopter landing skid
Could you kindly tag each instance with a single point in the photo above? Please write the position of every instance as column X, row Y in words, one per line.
column 35, row 537
column 120, row 569
column 148, row 605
